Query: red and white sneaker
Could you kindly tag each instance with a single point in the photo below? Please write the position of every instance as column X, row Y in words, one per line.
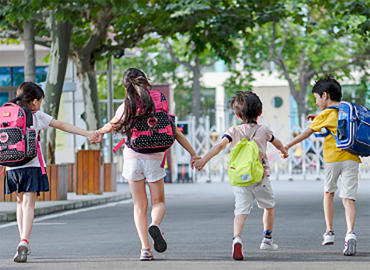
column 238, row 248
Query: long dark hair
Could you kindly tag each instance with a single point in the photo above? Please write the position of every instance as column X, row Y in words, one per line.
column 136, row 84
column 26, row 93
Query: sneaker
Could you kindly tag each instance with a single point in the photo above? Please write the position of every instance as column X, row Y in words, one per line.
column 238, row 248
column 146, row 254
column 22, row 250
column 268, row 244
column 328, row 238
column 350, row 244
column 29, row 249
column 155, row 232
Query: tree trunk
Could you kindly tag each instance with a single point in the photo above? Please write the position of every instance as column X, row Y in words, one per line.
column 61, row 37
column 87, row 77
column 301, row 99
column 196, row 92
column 29, row 51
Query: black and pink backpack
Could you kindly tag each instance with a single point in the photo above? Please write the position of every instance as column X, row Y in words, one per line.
column 19, row 143
column 155, row 134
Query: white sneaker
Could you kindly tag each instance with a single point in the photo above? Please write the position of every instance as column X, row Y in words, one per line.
column 268, row 244
column 238, row 248
column 350, row 244
column 29, row 249
column 328, row 238
column 21, row 255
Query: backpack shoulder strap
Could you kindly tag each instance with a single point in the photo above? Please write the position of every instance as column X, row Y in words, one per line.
column 249, row 135
column 252, row 132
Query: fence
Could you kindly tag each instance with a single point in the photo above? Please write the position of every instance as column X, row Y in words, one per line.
column 305, row 159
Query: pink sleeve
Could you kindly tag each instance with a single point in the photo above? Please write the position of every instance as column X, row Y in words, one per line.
column 120, row 110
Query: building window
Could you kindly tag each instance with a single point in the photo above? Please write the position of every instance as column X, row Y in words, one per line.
column 4, row 98
column 277, row 102
column 17, row 76
column 14, row 76
column 5, row 76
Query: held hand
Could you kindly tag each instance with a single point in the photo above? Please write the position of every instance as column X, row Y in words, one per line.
column 193, row 159
column 199, row 164
column 91, row 136
column 99, row 136
column 311, row 117
column 286, row 147
column 284, row 154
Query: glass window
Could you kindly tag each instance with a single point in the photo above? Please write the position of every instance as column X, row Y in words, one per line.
column 18, row 76
column 4, row 98
column 5, row 76
column 41, row 73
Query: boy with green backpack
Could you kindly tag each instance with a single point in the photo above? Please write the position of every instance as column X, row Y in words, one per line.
column 248, row 168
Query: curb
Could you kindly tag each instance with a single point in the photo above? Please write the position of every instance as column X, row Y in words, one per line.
column 12, row 216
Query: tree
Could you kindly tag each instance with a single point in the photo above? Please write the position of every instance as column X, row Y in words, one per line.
column 308, row 41
column 192, row 62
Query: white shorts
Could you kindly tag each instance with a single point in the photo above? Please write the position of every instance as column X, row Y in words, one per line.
column 348, row 169
column 138, row 169
column 245, row 196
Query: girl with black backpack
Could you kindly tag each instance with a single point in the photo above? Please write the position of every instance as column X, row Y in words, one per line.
column 143, row 118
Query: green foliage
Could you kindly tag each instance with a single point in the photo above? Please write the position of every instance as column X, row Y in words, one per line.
column 238, row 81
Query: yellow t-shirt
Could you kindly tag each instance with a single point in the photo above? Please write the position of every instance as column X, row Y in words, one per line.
column 328, row 119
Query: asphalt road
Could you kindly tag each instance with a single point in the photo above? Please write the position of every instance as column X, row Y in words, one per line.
column 198, row 229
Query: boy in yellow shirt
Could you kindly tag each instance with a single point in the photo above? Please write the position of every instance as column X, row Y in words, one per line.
column 328, row 93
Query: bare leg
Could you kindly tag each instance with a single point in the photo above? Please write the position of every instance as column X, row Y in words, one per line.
column 239, row 224
column 20, row 213
column 329, row 210
column 350, row 210
column 140, row 207
column 158, row 201
column 268, row 219
column 28, row 208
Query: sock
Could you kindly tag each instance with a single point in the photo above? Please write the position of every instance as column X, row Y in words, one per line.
column 237, row 236
column 25, row 240
column 267, row 234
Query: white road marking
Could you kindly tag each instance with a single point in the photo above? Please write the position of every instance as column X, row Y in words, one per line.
column 47, row 224
column 14, row 223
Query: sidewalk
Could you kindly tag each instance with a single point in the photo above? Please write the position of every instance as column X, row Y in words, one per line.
column 8, row 209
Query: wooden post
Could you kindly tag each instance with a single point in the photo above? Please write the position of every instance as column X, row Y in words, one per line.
column 89, row 179
column 110, row 177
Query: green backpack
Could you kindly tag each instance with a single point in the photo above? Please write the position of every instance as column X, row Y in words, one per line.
column 245, row 167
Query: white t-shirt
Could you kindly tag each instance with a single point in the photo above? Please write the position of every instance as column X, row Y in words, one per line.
column 40, row 122
column 128, row 153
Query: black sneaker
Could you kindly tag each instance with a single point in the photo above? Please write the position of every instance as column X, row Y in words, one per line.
column 350, row 244
column 155, row 232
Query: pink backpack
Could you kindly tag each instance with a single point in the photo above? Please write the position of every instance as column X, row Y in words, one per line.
column 19, row 143
column 156, row 134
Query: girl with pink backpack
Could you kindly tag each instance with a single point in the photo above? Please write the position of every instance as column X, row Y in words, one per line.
column 25, row 172
column 143, row 118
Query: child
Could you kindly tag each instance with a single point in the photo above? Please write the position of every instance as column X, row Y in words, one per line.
column 139, row 167
column 327, row 92
column 248, row 107
column 28, row 179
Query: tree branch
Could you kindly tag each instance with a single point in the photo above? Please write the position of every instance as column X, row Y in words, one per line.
column 42, row 42
column 175, row 59
column 284, row 39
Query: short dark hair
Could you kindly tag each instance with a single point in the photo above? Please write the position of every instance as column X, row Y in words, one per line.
column 330, row 86
column 247, row 105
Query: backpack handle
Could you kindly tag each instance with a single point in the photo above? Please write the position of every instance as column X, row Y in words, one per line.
column 10, row 104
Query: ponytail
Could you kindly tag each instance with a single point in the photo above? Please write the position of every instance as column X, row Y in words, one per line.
column 137, row 93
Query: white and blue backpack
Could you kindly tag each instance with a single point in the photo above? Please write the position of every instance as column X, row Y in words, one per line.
column 353, row 130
